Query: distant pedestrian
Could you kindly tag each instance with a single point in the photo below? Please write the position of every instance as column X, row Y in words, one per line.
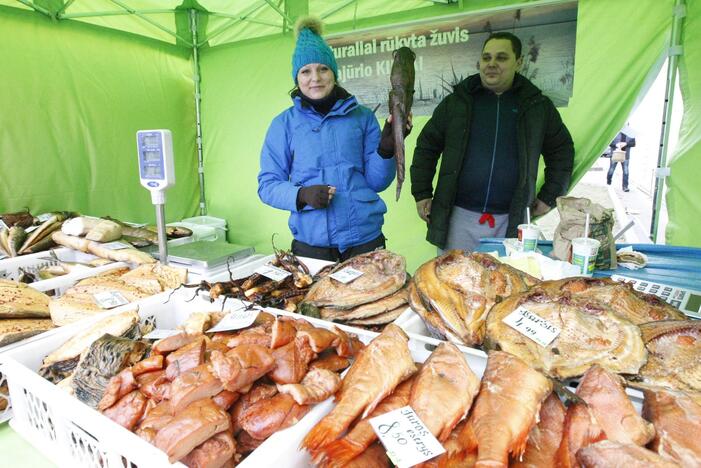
column 623, row 143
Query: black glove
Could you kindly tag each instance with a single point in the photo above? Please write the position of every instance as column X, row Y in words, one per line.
column 386, row 147
column 316, row 196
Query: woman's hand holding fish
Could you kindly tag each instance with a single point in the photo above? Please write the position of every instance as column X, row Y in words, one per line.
column 386, row 148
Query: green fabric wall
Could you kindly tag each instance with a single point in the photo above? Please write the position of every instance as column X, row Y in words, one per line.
column 683, row 194
column 245, row 85
column 71, row 100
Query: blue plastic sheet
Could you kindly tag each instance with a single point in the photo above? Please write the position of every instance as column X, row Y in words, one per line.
column 676, row 266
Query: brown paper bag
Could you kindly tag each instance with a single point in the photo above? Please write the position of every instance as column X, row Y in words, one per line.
column 573, row 213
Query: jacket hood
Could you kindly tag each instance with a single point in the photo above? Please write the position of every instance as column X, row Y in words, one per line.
column 522, row 86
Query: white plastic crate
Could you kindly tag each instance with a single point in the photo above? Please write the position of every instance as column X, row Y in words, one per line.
column 59, row 285
column 10, row 267
column 71, row 434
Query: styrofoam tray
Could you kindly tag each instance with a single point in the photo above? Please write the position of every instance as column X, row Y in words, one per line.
column 71, row 434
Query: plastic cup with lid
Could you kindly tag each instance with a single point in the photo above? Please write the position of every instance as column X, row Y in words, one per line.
column 528, row 236
column 584, row 252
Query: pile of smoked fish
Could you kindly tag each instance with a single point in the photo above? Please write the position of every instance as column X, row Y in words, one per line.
column 512, row 417
column 21, row 233
column 375, row 298
column 464, row 298
column 257, row 288
column 206, row 400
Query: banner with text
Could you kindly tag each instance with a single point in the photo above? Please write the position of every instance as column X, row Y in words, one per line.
column 448, row 50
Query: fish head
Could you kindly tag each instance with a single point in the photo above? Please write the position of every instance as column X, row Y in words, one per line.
column 404, row 54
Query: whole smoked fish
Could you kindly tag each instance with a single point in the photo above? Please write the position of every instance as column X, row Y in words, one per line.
column 379, row 368
column 401, row 98
column 505, row 411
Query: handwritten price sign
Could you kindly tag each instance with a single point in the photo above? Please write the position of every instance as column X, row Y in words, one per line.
column 532, row 326
column 236, row 320
column 406, row 438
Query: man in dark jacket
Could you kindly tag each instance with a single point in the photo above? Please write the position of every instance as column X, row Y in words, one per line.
column 625, row 143
column 490, row 133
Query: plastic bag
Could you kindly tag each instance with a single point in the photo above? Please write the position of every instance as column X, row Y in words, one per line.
column 573, row 213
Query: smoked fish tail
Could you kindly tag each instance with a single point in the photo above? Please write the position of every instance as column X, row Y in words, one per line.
column 340, row 452
column 321, row 434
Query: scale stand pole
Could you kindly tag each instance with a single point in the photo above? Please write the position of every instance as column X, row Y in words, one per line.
column 158, row 198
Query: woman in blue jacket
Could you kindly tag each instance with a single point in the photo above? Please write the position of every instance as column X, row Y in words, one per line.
column 324, row 159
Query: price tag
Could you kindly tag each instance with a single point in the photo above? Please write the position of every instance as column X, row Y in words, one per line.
column 44, row 217
column 110, row 299
column 3, row 225
column 236, row 320
column 116, row 245
column 273, row 272
column 159, row 334
column 406, row 438
column 346, row 275
column 532, row 326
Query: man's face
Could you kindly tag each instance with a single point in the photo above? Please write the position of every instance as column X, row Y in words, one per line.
column 498, row 65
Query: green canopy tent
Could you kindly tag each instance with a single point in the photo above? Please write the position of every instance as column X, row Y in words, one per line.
column 79, row 77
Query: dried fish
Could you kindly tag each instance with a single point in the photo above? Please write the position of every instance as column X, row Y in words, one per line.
column 106, row 357
column 505, row 411
column 625, row 301
column 443, row 390
column 401, row 98
column 677, row 419
column 372, row 309
column 17, row 300
column 674, row 347
column 608, row 453
column 376, row 372
column 383, row 273
column 590, row 333
column 606, row 413
column 462, row 288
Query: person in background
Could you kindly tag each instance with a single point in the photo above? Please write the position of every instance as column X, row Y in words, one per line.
column 490, row 133
column 325, row 160
column 625, row 143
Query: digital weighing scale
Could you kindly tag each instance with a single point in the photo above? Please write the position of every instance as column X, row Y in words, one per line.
column 206, row 255
column 686, row 300
column 156, row 174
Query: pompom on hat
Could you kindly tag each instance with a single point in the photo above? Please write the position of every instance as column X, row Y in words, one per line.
column 311, row 47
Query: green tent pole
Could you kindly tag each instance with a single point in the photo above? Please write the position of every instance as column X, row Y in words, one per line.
column 198, row 119
column 662, row 171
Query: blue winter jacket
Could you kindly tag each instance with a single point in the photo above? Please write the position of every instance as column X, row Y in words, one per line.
column 302, row 148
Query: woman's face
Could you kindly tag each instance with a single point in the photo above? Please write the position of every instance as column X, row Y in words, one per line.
column 315, row 80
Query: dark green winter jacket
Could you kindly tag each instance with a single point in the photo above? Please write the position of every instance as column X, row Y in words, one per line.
column 539, row 131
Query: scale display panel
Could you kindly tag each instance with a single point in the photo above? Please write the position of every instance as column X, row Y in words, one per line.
column 155, row 151
column 686, row 300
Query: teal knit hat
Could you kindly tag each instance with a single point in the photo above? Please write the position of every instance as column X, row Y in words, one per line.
column 311, row 47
